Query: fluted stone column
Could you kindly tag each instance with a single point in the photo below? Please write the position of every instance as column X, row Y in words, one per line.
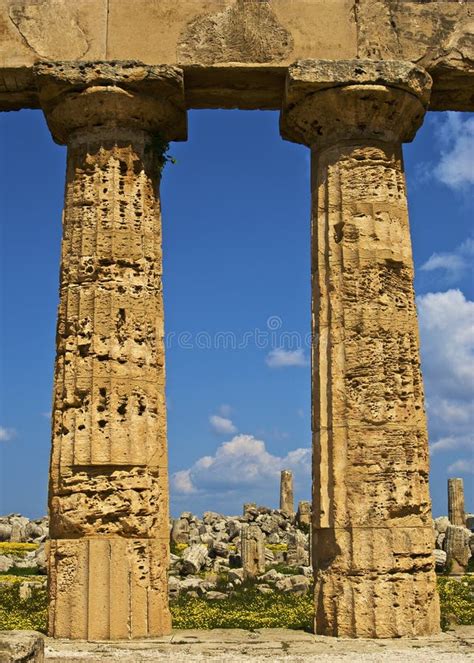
column 286, row 492
column 372, row 528
column 108, row 494
column 456, row 513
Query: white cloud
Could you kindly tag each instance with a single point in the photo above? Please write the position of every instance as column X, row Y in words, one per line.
column 7, row 434
column 454, row 264
column 451, row 442
column 222, row 425
column 241, row 464
column 280, row 358
column 447, row 333
column 456, row 165
column 462, row 466
column 182, row 482
column 447, row 348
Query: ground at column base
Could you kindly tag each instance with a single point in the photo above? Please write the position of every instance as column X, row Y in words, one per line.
column 223, row 645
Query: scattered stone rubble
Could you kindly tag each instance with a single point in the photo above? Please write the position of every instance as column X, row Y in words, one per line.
column 213, row 555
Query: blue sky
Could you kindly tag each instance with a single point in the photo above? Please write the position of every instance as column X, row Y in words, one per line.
column 236, row 263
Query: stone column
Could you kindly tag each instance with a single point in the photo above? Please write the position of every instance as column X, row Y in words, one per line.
column 372, row 528
column 108, row 493
column 252, row 551
column 286, row 492
column 303, row 515
column 456, row 513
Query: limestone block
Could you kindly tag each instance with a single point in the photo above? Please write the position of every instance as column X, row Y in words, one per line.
column 194, row 558
column 440, row 559
column 252, row 551
column 249, row 508
column 458, row 551
column 180, row 531
column 441, row 524
column 303, row 515
column 21, row 647
column 110, row 588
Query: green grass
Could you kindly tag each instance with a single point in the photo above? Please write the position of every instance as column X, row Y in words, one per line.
column 21, row 573
column 286, row 570
column 247, row 609
column 17, row 549
column 22, row 614
column 457, row 601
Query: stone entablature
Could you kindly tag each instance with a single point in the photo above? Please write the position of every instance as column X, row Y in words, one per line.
column 235, row 53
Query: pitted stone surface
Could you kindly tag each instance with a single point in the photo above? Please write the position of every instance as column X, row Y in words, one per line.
column 372, row 531
column 109, row 504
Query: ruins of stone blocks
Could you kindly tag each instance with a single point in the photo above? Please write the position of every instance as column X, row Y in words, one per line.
column 343, row 75
column 252, row 551
column 303, row 514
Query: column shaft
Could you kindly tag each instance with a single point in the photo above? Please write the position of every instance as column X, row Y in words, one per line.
column 456, row 512
column 109, row 458
column 373, row 536
column 372, row 529
column 108, row 492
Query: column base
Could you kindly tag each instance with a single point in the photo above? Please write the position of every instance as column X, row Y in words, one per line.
column 385, row 605
column 104, row 588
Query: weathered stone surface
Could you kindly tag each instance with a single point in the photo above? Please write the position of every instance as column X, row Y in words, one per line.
column 458, row 551
column 242, row 32
column 440, row 559
column 252, row 551
column 372, row 536
column 194, row 558
column 456, row 512
column 21, row 647
column 286, row 492
column 303, row 515
column 235, row 52
column 256, row 645
column 180, row 531
column 109, row 487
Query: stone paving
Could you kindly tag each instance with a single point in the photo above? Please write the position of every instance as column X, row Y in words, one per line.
column 224, row 645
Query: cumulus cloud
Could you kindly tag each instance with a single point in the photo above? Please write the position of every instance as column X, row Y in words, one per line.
column 456, row 166
column 454, row 264
column 447, row 348
column 447, row 332
column 241, row 463
column 182, row 482
column 222, row 425
column 281, row 358
column 7, row 434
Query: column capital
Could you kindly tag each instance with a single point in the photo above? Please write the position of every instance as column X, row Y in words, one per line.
column 82, row 96
column 328, row 101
